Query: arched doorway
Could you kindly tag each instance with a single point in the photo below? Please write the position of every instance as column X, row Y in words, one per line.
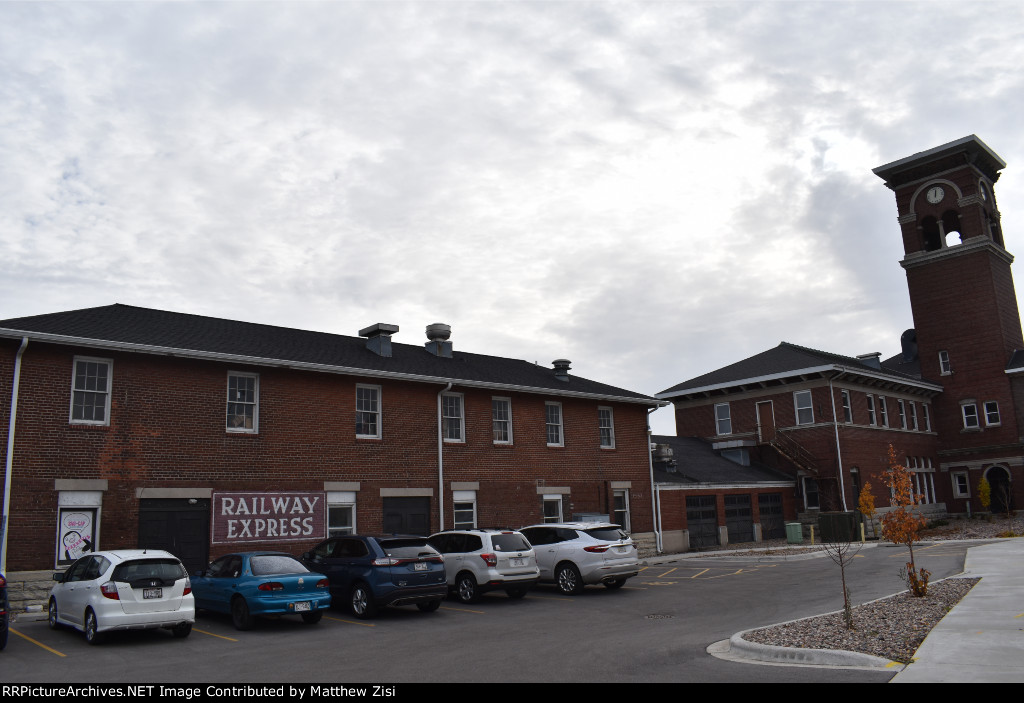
column 999, row 481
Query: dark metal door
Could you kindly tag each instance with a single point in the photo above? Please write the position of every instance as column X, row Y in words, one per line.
column 179, row 526
column 407, row 516
column 702, row 521
column 739, row 518
column 773, row 524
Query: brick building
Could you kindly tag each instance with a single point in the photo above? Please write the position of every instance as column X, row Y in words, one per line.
column 138, row 427
column 951, row 403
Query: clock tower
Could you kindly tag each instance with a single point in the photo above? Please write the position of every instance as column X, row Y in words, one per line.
column 963, row 301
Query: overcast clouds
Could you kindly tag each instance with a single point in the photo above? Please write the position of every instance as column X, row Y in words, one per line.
column 651, row 190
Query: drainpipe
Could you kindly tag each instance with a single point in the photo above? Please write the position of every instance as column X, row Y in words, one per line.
column 9, row 468
column 839, row 453
column 655, row 502
column 440, row 457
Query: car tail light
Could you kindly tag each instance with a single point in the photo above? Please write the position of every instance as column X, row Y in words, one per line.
column 490, row 559
column 3, row 582
column 109, row 590
column 188, row 588
column 597, row 548
column 323, row 583
column 271, row 586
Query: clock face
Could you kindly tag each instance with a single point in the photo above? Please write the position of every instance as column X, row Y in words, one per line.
column 935, row 194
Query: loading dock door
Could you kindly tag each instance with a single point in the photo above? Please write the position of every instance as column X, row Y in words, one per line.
column 177, row 526
column 739, row 519
column 772, row 523
column 702, row 521
column 407, row 516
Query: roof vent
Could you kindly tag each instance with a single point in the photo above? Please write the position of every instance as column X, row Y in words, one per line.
column 871, row 360
column 663, row 458
column 438, row 334
column 378, row 337
column 908, row 340
column 562, row 369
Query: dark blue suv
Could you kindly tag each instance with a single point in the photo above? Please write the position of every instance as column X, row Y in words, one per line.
column 371, row 572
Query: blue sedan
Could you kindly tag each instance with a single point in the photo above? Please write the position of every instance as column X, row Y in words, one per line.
column 248, row 584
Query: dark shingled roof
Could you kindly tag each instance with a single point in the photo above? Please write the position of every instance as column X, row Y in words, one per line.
column 115, row 325
column 783, row 359
column 697, row 462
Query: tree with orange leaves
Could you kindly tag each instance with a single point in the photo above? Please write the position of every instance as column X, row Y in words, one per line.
column 901, row 525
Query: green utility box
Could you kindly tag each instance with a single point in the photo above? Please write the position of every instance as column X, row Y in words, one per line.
column 794, row 533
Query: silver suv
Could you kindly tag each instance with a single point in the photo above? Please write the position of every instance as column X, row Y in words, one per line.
column 476, row 561
column 574, row 554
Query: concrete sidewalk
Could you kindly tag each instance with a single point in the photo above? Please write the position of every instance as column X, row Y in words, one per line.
column 981, row 640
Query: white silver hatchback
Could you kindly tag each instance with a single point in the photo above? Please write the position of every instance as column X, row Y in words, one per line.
column 128, row 589
column 574, row 554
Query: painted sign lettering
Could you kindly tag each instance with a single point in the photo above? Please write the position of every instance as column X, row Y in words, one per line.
column 298, row 516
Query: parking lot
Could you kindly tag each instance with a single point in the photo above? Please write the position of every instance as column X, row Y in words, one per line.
column 656, row 628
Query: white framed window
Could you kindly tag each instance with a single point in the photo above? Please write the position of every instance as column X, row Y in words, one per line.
column 552, row 507
column 969, row 412
column 883, row 411
column 606, row 427
column 944, row 367
column 913, row 416
column 961, row 484
column 464, row 510
column 620, row 508
column 553, row 420
column 811, row 498
column 243, row 402
column 368, row 412
column 90, row 391
column 501, row 420
column 991, row 413
column 927, row 417
column 452, row 417
column 872, row 420
column 847, row 406
column 902, row 408
column 723, row 419
column 341, row 513
column 804, row 409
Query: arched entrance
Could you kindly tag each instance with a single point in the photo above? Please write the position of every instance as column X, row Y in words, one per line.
column 999, row 481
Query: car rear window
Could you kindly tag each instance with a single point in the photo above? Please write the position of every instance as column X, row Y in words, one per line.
column 509, row 543
column 135, row 569
column 407, row 548
column 611, row 533
column 268, row 564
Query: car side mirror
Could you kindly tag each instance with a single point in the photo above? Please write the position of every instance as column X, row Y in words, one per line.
column 58, row 576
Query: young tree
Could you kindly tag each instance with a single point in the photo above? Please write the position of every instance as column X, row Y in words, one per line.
column 866, row 505
column 901, row 525
column 984, row 493
column 841, row 551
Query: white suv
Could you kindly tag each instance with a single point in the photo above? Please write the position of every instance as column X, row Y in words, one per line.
column 476, row 561
column 574, row 554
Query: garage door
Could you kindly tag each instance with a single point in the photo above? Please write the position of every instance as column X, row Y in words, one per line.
column 739, row 519
column 702, row 521
column 407, row 516
column 180, row 526
column 770, row 507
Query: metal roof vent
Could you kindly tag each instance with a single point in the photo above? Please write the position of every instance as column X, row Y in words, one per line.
column 378, row 337
column 562, row 369
column 438, row 334
column 872, row 359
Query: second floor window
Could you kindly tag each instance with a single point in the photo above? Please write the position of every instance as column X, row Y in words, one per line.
column 553, row 417
column 368, row 411
column 883, row 411
column 501, row 420
column 723, row 419
column 991, row 412
column 90, row 392
column 243, row 402
column 452, row 417
column 903, row 413
column 606, row 426
column 944, row 367
column 847, row 408
column 970, row 415
column 871, row 410
column 804, row 409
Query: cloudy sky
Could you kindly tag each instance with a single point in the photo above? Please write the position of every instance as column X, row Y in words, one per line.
column 650, row 189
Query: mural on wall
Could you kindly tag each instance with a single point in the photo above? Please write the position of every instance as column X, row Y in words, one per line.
column 268, row 516
column 76, row 535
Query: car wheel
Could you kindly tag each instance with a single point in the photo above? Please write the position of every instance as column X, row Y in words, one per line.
column 516, row 593
column 569, row 580
column 312, row 618
column 429, row 606
column 617, row 583
column 51, row 618
column 183, row 630
column 466, row 589
column 92, row 633
column 240, row 615
column 362, row 602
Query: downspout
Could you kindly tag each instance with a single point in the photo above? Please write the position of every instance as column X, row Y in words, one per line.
column 9, row 468
column 440, row 458
column 655, row 502
column 839, row 453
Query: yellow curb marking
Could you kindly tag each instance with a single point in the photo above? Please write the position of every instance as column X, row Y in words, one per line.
column 36, row 642
column 351, row 622
column 463, row 610
column 702, row 572
column 211, row 634
column 668, row 572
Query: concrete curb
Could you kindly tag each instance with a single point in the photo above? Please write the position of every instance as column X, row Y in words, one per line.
column 817, row 657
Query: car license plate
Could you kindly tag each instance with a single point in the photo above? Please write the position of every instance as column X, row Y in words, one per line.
column 517, row 562
column 301, row 606
column 152, row 593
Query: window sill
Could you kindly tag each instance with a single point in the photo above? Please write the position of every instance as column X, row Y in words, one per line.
column 367, row 438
